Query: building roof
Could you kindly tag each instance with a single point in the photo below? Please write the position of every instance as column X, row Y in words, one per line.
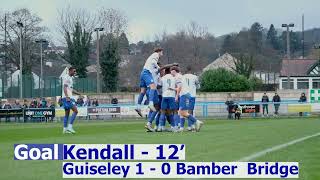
column 225, row 61
column 297, row 67
column 54, row 71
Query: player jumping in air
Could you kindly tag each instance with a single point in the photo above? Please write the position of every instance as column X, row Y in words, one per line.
column 186, row 91
column 146, row 79
column 68, row 101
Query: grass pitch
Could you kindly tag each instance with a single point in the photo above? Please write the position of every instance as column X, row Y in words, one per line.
column 219, row 140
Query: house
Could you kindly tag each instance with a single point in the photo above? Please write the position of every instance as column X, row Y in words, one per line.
column 301, row 73
column 51, row 70
column 227, row 62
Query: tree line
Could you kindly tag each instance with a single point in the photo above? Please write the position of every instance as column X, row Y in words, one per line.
column 191, row 45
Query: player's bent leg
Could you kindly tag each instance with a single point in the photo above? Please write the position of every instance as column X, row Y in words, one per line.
column 152, row 94
column 72, row 119
column 140, row 99
column 157, row 124
column 151, row 116
column 162, row 121
column 65, row 121
column 182, row 121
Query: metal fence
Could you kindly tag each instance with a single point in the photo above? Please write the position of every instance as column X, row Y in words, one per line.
column 33, row 86
column 211, row 110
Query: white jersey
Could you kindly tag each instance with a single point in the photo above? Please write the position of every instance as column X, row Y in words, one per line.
column 159, row 88
column 178, row 79
column 67, row 80
column 152, row 63
column 168, row 83
column 156, row 77
column 190, row 84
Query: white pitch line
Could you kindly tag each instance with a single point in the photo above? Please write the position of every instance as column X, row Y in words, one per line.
column 275, row 148
column 272, row 149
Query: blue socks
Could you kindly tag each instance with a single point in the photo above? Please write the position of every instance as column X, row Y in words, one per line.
column 151, row 94
column 182, row 120
column 158, row 119
column 151, row 116
column 162, row 120
column 172, row 120
column 176, row 119
column 73, row 117
column 65, row 121
column 140, row 98
column 192, row 119
column 189, row 123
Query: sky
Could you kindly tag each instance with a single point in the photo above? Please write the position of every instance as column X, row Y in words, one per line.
column 150, row 17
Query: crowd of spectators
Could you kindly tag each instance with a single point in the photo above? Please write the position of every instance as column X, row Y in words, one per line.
column 34, row 103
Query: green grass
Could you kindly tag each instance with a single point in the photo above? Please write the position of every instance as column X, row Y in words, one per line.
column 219, row 140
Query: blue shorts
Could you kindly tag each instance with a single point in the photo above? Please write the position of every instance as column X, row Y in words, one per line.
column 156, row 99
column 146, row 79
column 160, row 100
column 168, row 103
column 192, row 103
column 176, row 104
column 68, row 104
column 184, row 103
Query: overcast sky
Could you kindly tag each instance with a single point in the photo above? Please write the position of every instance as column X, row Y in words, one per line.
column 150, row 17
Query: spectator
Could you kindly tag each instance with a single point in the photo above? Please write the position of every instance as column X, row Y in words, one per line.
column 7, row 106
column 25, row 106
column 230, row 108
column 39, row 101
column 237, row 111
column 276, row 100
column 80, row 101
column 43, row 103
column 88, row 102
column 303, row 99
column 60, row 101
column 52, row 106
column 17, row 105
column 265, row 101
column 95, row 102
column 34, row 103
column 114, row 101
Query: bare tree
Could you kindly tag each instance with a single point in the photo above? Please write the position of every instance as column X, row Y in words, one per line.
column 77, row 26
column 113, row 21
column 68, row 17
column 196, row 33
column 30, row 32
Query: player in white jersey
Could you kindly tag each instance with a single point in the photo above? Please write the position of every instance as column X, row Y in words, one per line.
column 68, row 101
column 188, row 83
column 193, row 85
column 157, row 101
column 168, row 99
column 175, row 71
column 150, row 68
